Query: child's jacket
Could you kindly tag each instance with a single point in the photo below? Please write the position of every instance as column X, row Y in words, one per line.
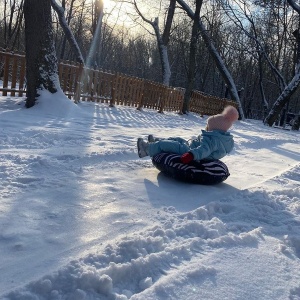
column 211, row 145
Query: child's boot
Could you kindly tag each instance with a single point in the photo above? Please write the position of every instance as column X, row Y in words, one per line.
column 151, row 139
column 142, row 148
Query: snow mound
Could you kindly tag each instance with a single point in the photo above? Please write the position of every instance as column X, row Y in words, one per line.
column 56, row 104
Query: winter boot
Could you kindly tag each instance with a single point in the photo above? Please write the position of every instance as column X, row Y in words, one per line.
column 151, row 139
column 142, row 148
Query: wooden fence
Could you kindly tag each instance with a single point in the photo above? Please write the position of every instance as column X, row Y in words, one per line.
column 83, row 84
column 12, row 74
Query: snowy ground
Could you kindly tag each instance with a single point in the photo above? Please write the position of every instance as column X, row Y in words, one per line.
column 82, row 217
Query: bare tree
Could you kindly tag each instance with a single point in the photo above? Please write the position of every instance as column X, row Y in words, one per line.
column 162, row 39
column 12, row 27
column 292, row 86
column 217, row 58
column 41, row 61
column 251, row 33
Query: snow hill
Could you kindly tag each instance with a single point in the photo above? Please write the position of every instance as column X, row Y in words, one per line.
column 82, row 217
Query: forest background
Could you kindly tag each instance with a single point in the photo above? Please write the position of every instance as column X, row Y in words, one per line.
column 258, row 42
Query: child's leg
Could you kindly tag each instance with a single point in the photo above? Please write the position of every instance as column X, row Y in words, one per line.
column 152, row 139
column 178, row 139
column 170, row 146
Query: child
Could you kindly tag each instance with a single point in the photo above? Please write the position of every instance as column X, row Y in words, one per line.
column 214, row 142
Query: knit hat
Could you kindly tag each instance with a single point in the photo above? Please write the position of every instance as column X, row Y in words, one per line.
column 224, row 120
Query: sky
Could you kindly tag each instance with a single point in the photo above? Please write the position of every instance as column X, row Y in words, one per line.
column 83, row 217
column 124, row 14
column 117, row 12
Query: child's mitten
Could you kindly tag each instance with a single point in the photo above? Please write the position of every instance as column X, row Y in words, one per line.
column 186, row 157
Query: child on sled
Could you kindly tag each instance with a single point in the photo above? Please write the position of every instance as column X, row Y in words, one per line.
column 214, row 142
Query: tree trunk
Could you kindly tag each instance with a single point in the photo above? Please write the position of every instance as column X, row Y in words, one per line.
column 282, row 100
column 164, row 58
column 296, row 122
column 162, row 40
column 41, row 61
column 192, row 59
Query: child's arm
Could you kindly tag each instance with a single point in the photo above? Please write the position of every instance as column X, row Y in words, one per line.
column 204, row 150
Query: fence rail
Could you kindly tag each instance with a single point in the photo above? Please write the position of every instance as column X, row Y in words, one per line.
column 84, row 84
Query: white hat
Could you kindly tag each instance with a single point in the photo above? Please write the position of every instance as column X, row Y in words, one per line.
column 224, row 120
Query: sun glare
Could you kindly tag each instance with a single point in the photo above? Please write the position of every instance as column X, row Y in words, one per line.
column 108, row 4
column 123, row 14
column 117, row 11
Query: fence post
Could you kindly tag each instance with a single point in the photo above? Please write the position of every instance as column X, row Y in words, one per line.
column 65, row 69
column 5, row 75
column 85, row 82
column 60, row 72
column 141, row 96
column 14, row 76
column 113, row 91
column 180, row 112
column 164, row 96
column 22, row 75
column 77, row 88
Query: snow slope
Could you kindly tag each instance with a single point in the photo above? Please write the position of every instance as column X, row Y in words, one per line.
column 82, row 217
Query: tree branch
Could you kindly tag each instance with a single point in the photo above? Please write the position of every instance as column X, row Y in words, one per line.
column 67, row 31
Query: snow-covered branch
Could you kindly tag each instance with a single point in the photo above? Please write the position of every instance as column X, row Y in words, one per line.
column 67, row 31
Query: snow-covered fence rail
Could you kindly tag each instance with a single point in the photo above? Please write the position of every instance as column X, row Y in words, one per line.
column 81, row 83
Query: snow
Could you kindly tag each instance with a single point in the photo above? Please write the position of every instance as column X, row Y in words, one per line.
column 82, row 217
